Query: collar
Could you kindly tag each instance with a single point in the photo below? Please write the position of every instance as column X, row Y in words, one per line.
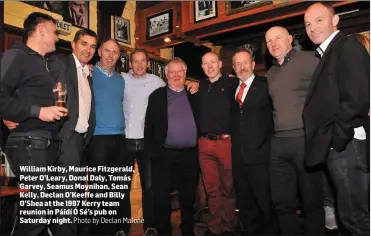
column 85, row 69
column 322, row 48
column 176, row 90
column 108, row 73
column 132, row 74
column 288, row 56
column 248, row 82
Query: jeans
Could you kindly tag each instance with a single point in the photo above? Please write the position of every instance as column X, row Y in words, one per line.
column 33, row 152
column 350, row 174
column 136, row 151
column 111, row 151
column 289, row 177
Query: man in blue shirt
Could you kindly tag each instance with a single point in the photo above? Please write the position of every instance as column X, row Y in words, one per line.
column 107, row 147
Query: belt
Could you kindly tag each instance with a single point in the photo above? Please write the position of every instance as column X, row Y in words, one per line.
column 80, row 134
column 216, row 136
column 178, row 149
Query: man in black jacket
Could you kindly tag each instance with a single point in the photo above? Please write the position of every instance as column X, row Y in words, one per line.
column 26, row 97
column 252, row 129
column 336, row 115
column 170, row 135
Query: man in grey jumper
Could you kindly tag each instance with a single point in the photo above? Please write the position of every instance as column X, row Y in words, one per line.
column 288, row 82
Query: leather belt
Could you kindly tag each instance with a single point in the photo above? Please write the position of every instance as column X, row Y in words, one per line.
column 216, row 136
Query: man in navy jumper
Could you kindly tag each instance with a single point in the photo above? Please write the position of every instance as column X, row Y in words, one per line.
column 107, row 147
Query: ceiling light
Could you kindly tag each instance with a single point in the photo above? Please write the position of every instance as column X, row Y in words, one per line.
column 167, row 40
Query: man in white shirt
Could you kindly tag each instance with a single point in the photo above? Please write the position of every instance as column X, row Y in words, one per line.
column 336, row 115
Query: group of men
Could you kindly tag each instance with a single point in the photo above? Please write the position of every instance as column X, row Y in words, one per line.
column 263, row 144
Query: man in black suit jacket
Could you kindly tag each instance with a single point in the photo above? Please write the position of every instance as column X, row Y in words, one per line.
column 79, row 125
column 170, row 135
column 336, row 115
column 251, row 130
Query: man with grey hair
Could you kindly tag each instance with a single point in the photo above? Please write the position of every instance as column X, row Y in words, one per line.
column 170, row 135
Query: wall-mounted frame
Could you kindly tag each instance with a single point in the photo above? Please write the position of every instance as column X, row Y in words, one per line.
column 258, row 50
column 160, row 70
column 124, row 63
column 122, row 30
column 159, row 24
column 74, row 12
column 232, row 7
column 205, row 10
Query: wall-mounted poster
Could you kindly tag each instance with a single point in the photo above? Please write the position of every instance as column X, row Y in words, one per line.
column 123, row 64
column 74, row 12
column 233, row 7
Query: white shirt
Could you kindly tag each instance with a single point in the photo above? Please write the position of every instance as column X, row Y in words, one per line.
column 359, row 132
column 137, row 91
column 84, row 97
column 248, row 83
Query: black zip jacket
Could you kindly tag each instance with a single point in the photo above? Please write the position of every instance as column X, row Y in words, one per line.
column 26, row 86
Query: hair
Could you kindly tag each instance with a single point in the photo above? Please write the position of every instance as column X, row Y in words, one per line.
column 364, row 41
column 176, row 60
column 248, row 51
column 113, row 40
column 328, row 6
column 84, row 32
column 33, row 20
column 138, row 51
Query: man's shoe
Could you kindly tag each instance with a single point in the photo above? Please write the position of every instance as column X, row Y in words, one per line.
column 150, row 232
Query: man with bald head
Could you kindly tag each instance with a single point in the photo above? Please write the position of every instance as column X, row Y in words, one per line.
column 108, row 144
column 288, row 82
column 336, row 115
column 215, row 145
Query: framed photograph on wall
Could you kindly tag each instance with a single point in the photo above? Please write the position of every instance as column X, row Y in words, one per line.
column 74, row 12
column 160, row 70
column 205, row 10
column 124, row 58
column 122, row 30
column 159, row 24
column 233, row 7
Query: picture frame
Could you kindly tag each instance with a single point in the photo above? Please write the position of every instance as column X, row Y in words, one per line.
column 159, row 24
column 124, row 59
column 205, row 10
column 74, row 12
column 122, row 30
column 258, row 50
column 152, row 67
column 232, row 7
column 160, row 70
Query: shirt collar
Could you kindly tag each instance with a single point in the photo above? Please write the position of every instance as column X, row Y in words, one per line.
column 85, row 69
column 322, row 48
column 108, row 73
column 248, row 81
column 176, row 90
column 288, row 56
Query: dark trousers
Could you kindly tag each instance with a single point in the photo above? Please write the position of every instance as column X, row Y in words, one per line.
column 32, row 151
column 349, row 172
column 137, row 152
column 111, row 151
column 288, row 175
column 71, row 154
column 216, row 166
column 181, row 165
column 254, row 203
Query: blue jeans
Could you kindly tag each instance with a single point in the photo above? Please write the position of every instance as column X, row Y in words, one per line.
column 349, row 173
